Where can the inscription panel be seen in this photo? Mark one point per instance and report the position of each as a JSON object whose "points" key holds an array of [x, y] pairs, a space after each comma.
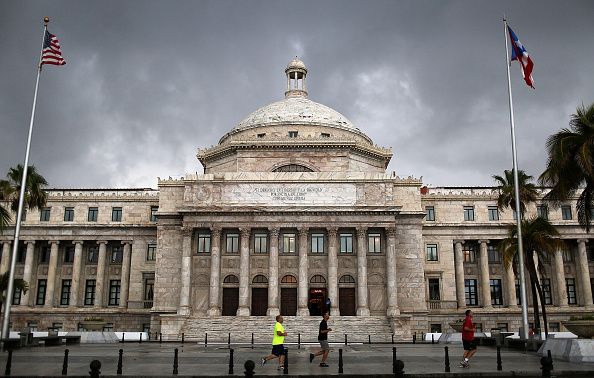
{"points": [[290, 194]]}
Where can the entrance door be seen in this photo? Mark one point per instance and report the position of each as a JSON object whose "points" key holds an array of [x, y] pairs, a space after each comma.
{"points": [[288, 301], [317, 301], [259, 301], [230, 301], [346, 301]]}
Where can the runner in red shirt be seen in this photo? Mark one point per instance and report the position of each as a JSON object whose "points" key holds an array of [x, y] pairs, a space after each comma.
{"points": [[468, 339]]}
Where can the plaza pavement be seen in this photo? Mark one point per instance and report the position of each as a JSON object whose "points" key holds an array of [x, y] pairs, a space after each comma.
{"points": [[154, 359]]}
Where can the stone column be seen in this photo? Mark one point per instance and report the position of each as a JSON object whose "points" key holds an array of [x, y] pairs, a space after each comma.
{"points": [[560, 277], [214, 307], [510, 286], [485, 279], [333, 271], [186, 272], [100, 279], [244, 274], [273, 308], [459, 257], [302, 290], [584, 272], [5, 262], [125, 279], [51, 274], [28, 271], [76, 269], [391, 284], [362, 300]]}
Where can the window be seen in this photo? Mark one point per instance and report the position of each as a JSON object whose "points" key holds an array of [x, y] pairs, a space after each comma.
{"points": [[114, 292], [478, 327], [262, 135], [567, 255], [496, 292], [317, 279], [90, 292], [93, 254], [493, 254], [435, 328], [69, 254], [293, 134], [231, 279], [430, 213], [65, 293], [546, 291], [566, 212], [32, 326], [503, 327], [289, 279], [149, 285], [434, 293], [232, 243], [116, 254], [41, 289], [325, 135], [317, 243], [289, 243], [68, 214], [154, 210], [470, 251], [44, 254], [542, 211], [21, 253], [570, 286], [554, 327], [116, 214], [468, 213], [16, 296], [260, 279], [493, 213], [44, 215], [346, 243], [470, 292], [518, 296], [260, 243], [93, 213], [590, 252], [374, 243], [346, 279], [431, 252], [151, 252], [203, 243]]}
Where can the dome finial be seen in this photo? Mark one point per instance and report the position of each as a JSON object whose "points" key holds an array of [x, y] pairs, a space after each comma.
{"points": [[296, 73]]}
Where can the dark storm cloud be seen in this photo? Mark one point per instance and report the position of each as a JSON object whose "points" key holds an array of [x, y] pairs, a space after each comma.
{"points": [[147, 83]]}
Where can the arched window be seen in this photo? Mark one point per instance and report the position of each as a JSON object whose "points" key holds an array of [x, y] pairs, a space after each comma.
{"points": [[231, 279], [292, 168], [260, 279], [289, 279], [317, 279], [347, 279]]}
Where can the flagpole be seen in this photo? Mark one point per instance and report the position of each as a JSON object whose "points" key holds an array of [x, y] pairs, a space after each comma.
{"points": [[517, 194], [15, 245]]}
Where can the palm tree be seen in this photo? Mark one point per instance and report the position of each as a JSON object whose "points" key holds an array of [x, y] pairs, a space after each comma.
{"points": [[570, 164], [18, 284], [539, 239], [507, 196]]}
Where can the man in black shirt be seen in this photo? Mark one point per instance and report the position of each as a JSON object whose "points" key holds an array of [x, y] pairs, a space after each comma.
{"points": [[323, 339]]}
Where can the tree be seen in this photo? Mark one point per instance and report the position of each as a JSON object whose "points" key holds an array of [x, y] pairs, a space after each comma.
{"points": [[507, 194], [570, 164], [18, 284]]}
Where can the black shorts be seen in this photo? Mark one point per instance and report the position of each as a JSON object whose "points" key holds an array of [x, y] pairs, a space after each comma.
{"points": [[469, 345], [278, 350]]}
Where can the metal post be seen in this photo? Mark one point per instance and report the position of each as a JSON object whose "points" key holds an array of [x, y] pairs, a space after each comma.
{"points": [[394, 360], [299, 341], [206, 339], [252, 340], [286, 362], [123, 337], [415, 338], [340, 365], [183, 337], [345, 339], [120, 355], [369, 339], [65, 363], [8, 363], [229, 339], [175, 362], [95, 367], [249, 368], [160, 337], [432, 338], [392, 338], [140, 338], [231, 361], [550, 357], [499, 358], [447, 360]]}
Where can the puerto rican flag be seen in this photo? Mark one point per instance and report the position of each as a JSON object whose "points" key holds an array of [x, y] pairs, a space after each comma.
{"points": [[520, 54]]}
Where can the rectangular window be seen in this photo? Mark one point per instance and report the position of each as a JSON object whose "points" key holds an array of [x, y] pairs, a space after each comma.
{"points": [[149, 284], [566, 212], [546, 291], [151, 252], [346, 243], [496, 292], [69, 254], [554, 327], [374, 243], [41, 289], [430, 213], [289, 243], [434, 293], [93, 214], [470, 251], [542, 211], [293, 134], [116, 214], [493, 253], [518, 296], [114, 292], [44, 215], [16, 296], [493, 213], [44, 254], [431, 252], [478, 327], [116, 254], [503, 327], [570, 286], [203, 243], [317, 243], [154, 210], [93, 254], [90, 292], [470, 292], [468, 213], [21, 253], [260, 243], [68, 214], [65, 293], [567, 255], [32, 326], [435, 328], [232, 243]]}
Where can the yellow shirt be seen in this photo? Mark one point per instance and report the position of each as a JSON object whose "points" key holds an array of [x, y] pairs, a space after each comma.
{"points": [[276, 339]]}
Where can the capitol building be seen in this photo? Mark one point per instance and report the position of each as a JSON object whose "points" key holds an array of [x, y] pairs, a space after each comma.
{"points": [[294, 206]]}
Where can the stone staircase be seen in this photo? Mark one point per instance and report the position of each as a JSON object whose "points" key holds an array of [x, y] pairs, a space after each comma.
{"points": [[357, 329]]}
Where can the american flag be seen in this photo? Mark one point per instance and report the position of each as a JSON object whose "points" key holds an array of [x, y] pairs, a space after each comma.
{"points": [[51, 51]]}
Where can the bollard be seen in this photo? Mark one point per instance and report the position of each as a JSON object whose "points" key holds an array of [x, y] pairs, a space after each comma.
{"points": [[369, 339], [95, 366], [415, 338], [286, 362], [231, 361], [160, 337], [447, 360], [392, 338], [546, 366], [229, 339], [123, 336], [156, 335], [65, 363], [8, 363], [432, 338], [206, 339], [252, 340], [340, 367], [550, 358], [140, 338], [183, 337], [175, 362], [394, 360], [399, 372], [499, 368], [345, 339], [299, 341], [249, 368], [120, 355]]}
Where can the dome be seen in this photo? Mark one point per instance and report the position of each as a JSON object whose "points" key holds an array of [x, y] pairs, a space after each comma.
{"points": [[296, 64]]}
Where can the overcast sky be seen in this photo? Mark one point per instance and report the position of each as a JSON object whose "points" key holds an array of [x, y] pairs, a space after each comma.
{"points": [[147, 83]]}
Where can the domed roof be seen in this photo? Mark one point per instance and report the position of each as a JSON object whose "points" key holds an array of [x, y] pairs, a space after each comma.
{"points": [[296, 64]]}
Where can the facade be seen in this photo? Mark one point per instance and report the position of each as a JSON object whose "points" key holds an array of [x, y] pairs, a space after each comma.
{"points": [[294, 207]]}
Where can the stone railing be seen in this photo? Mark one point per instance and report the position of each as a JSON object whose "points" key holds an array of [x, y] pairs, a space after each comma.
{"points": [[441, 305]]}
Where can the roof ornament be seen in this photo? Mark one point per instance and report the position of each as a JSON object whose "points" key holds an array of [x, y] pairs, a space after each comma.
{"points": [[296, 73]]}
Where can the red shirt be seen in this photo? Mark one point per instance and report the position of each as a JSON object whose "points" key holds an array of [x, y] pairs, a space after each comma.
{"points": [[467, 335]]}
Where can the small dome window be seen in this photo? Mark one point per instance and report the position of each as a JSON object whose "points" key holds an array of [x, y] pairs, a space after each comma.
{"points": [[293, 168]]}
